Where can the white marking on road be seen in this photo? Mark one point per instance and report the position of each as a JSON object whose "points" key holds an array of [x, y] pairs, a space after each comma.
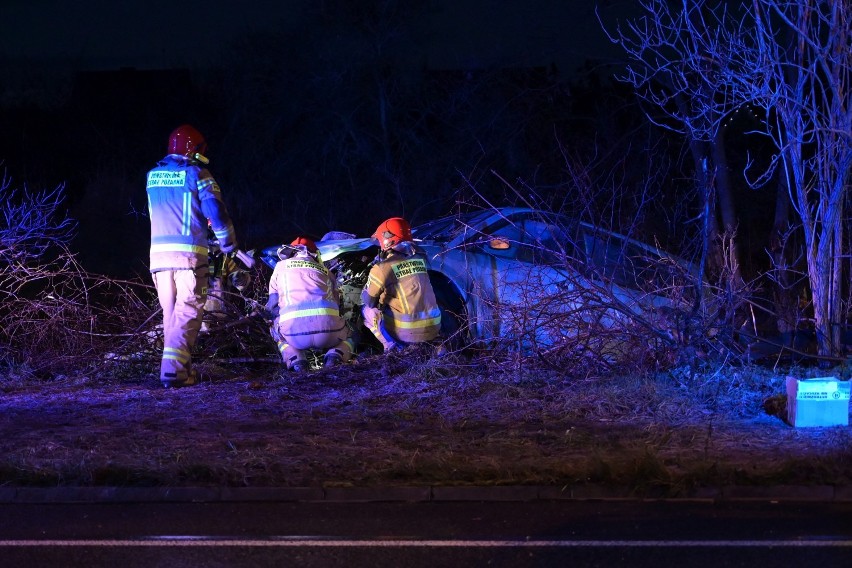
{"points": [[286, 542]]}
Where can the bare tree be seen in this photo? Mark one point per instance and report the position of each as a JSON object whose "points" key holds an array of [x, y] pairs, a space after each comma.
{"points": [[31, 224], [793, 59], [799, 69], [680, 68]]}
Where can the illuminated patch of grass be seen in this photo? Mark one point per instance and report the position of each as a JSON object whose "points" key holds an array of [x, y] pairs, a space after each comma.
{"points": [[427, 420]]}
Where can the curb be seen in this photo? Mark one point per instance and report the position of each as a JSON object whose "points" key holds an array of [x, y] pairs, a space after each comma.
{"points": [[814, 494]]}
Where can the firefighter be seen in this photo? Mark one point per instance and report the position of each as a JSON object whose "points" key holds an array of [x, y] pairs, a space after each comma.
{"points": [[308, 308], [399, 305], [182, 198]]}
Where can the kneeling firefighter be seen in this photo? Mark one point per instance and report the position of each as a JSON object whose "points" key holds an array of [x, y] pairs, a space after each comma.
{"points": [[306, 298], [399, 303]]}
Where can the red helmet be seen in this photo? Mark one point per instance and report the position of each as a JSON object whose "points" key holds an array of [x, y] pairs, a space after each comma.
{"points": [[306, 242], [187, 141], [392, 232]]}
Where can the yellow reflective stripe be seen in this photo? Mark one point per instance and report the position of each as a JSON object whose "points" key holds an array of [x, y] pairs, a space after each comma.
{"points": [[375, 280], [210, 185], [187, 214], [417, 324], [311, 312], [169, 247], [225, 232], [403, 297], [173, 354]]}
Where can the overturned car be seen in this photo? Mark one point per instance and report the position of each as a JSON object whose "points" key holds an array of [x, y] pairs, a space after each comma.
{"points": [[530, 280]]}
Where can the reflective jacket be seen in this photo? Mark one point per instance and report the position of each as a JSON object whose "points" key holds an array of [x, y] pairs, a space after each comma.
{"points": [[182, 196], [401, 284], [307, 296]]}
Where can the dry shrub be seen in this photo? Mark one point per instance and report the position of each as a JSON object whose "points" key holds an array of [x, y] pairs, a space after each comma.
{"points": [[62, 319], [57, 317], [589, 300], [42, 302]]}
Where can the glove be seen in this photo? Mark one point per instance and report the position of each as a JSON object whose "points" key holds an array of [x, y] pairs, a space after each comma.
{"points": [[264, 314], [270, 315], [270, 310]]}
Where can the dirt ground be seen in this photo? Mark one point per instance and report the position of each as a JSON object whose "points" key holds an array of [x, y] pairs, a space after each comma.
{"points": [[393, 420]]}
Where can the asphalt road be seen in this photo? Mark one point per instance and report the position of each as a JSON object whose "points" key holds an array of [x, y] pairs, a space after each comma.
{"points": [[473, 533]]}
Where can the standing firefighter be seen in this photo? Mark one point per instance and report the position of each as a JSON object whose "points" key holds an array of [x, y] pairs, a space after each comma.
{"points": [[306, 297], [182, 198], [399, 303]]}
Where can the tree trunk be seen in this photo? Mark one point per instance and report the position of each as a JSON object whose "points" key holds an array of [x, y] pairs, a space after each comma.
{"points": [[726, 205], [786, 302]]}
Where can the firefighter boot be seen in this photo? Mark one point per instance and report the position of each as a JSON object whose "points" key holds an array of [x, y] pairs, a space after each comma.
{"points": [[332, 359]]}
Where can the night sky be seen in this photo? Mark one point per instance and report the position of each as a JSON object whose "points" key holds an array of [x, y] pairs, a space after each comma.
{"points": [[114, 126], [103, 34]]}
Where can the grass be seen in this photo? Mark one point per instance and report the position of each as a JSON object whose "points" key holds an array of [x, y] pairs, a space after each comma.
{"points": [[420, 420]]}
